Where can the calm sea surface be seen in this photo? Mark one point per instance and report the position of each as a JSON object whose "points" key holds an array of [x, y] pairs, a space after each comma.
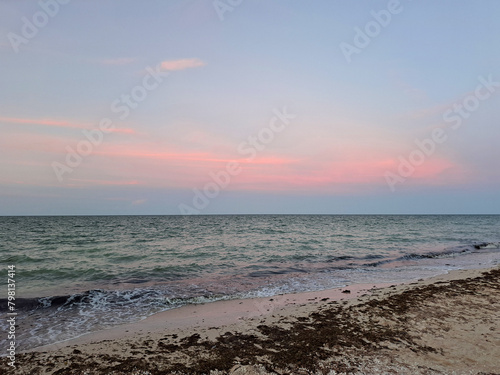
{"points": [[79, 274]]}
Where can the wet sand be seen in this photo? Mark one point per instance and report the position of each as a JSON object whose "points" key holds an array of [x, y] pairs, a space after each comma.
{"points": [[449, 324]]}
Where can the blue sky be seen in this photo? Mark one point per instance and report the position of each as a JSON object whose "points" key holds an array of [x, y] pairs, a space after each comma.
{"points": [[331, 134]]}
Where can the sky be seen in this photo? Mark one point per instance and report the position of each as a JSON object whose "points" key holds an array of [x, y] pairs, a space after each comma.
{"points": [[249, 106]]}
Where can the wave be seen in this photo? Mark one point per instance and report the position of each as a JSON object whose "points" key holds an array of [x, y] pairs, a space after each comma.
{"points": [[445, 253], [99, 299], [450, 252], [435, 254], [161, 299], [487, 245]]}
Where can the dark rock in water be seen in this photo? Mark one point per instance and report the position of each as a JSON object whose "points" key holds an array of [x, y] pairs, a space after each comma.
{"points": [[346, 291]]}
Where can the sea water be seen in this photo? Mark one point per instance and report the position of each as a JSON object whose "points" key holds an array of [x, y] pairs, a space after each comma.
{"points": [[80, 274]]}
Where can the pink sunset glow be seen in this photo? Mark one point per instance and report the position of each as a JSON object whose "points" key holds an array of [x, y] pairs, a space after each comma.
{"points": [[148, 106], [154, 160]]}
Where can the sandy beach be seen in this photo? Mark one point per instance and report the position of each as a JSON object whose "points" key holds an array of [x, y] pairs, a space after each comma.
{"points": [[448, 324]]}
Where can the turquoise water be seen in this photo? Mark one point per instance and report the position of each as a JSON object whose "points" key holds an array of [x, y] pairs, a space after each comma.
{"points": [[123, 268]]}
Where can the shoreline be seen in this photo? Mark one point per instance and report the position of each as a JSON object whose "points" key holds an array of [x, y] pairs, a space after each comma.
{"points": [[445, 323], [219, 313], [252, 306]]}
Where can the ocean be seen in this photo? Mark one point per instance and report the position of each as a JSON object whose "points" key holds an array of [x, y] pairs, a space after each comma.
{"points": [[80, 274]]}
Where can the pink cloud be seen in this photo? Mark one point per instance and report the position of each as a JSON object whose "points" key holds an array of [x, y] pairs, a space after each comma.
{"points": [[341, 176], [181, 64], [158, 164], [300, 175], [184, 168]]}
